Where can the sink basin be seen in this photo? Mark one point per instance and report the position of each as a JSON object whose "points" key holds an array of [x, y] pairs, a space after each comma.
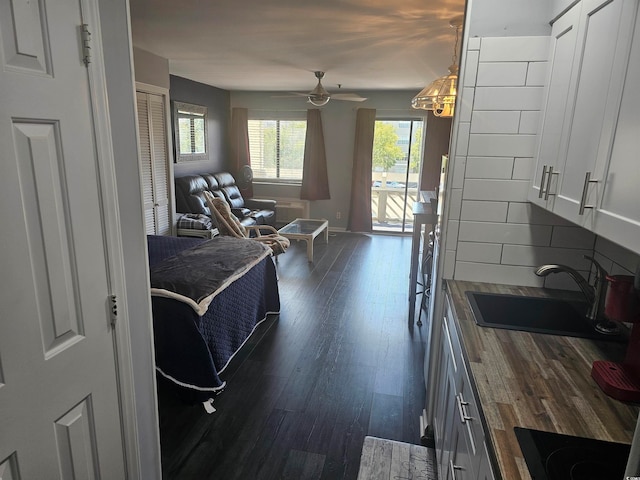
{"points": [[551, 316]]}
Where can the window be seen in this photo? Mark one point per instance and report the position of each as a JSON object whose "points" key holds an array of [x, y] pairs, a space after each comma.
{"points": [[277, 147], [191, 131]]}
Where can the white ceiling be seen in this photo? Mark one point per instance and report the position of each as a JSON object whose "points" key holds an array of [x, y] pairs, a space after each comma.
{"points": [[276, 45]]}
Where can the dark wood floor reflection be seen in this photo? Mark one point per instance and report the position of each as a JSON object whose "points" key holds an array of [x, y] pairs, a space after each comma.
{"points": [[338, 364]]}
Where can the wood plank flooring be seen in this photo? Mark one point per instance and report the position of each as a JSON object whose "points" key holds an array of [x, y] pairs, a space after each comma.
{"points": [[338, 364]]}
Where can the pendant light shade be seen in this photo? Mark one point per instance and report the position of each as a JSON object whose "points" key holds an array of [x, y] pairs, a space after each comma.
{"points": [[440, 95]]}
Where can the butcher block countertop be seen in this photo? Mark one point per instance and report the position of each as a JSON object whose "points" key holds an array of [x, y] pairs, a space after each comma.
{"points": [[536, 381]]}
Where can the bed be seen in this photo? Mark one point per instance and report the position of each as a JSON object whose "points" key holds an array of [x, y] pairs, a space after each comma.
{"points": [[207, 297]]}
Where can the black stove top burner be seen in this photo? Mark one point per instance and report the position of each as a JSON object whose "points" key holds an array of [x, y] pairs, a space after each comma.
{"points": [[552, 456]]}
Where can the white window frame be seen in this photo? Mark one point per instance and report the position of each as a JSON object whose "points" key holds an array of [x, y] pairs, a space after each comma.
{"points": [[187, 110]]}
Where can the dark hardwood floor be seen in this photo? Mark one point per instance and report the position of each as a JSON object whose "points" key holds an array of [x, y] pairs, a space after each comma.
{"points": [[339, 363]]}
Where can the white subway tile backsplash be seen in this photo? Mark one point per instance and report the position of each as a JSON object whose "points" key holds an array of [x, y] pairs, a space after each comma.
{"points": [[626, 259], [451, 239], [494, 122], [526, 255], [508, 98], [537, 73], [462, 139], [473, 43], [500, 190], [522, 168], [471, 69], [507, 74], [488, 145], [489, 167], [514, 49], [528, 213], [455, 204], [510, 233], [479, 252], [529, 122], [572, 237], [449, 264], [481, 211], [466, 104], [456, 171], [491, 273]]}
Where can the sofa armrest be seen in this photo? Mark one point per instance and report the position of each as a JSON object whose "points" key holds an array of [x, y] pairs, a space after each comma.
{"points": [[240, 213], [260, 204]]}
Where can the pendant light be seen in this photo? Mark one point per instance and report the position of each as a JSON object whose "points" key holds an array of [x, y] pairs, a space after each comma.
{"points": [[440, 95]]}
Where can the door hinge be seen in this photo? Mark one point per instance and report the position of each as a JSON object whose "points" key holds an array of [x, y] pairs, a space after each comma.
{"points": [[86, 40], [113, 301]]}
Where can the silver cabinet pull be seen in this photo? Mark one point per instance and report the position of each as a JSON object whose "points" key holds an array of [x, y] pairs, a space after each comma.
{"points": [[461, 404], [550, 173], [453, 469], [585, 191], [544, 174]]}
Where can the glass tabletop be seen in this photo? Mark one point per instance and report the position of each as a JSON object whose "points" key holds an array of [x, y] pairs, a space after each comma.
{"points": [[302, 226]]}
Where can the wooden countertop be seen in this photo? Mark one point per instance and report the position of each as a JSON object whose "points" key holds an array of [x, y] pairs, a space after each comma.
{"points": [[536, 381]]}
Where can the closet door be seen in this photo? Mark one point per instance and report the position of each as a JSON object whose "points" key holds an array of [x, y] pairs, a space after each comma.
{"points": [[155, 162]]}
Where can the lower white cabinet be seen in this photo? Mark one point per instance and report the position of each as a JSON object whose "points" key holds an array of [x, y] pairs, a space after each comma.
{"points": [[461, 450]]}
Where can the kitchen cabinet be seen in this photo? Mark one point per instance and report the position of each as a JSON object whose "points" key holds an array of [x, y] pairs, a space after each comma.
{"points": [[155, 161], [461, 450], [589, 60]]}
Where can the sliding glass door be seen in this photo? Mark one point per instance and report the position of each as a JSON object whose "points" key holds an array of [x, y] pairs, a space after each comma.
{"points": [[397, 153]]}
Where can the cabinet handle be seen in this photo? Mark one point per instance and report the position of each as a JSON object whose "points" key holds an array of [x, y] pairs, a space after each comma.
{"points": [[585, 190], [544, 174], [461, 404], [550, 173], [453, 469]]}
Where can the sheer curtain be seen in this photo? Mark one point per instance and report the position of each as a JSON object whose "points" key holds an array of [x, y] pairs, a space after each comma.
{"points": [[360, 213], [240, 155], [315, 182]]}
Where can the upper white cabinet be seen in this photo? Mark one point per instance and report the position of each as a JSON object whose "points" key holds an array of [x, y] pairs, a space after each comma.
{"points": [[583, 121], [619, 213]]}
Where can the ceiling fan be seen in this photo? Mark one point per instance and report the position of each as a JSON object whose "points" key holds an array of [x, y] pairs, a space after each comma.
{"points": [[319, 95]]}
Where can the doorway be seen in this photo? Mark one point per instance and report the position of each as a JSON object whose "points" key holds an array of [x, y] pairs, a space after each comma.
{"points": [[395, 170]]}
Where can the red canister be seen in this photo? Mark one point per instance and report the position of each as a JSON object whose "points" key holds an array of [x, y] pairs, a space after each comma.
{"points": [[623, 300]]}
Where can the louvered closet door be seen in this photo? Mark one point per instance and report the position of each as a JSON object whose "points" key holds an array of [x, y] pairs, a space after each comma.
{"points": [[154, 163]]}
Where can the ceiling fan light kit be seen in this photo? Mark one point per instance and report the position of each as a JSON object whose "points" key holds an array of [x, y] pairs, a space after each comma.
{"points": [[319, 96], [440, 95]]}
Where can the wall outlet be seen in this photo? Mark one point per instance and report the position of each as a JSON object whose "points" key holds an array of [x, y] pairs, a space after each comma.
{"points": [[338, 215]]}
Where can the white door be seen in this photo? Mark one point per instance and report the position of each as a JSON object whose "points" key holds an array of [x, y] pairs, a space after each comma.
{"points": [[154, 159], [59, 408]]}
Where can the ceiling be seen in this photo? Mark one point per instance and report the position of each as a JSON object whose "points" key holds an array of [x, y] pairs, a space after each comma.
{"points": [[276, 45]]}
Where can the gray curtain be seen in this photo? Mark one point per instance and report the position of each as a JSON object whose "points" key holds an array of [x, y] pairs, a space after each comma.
{"points": [[360, 213], [315, 182], [239, 150]]}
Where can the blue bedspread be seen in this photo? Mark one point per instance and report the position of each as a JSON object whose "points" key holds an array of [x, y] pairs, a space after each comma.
{"points": [[192, 350]]}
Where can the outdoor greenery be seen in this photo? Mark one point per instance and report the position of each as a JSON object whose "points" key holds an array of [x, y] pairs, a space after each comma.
{"points": [[277, 148], [386, 149]]}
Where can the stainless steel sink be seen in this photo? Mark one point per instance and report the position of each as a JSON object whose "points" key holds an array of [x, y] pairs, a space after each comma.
{"points": [[551, 316]]}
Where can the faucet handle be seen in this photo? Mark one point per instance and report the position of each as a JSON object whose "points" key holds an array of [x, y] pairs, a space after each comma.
{"points": [[602, 273]]}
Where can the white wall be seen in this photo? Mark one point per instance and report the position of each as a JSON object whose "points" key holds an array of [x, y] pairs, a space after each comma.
{"points": [[150, 68], [338, 121], [120, 84]]}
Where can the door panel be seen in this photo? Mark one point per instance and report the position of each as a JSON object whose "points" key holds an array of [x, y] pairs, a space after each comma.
{"points": [[59, 405]]}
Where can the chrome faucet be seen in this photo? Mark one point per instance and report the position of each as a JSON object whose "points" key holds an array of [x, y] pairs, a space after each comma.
{"points": [[595, 294]]}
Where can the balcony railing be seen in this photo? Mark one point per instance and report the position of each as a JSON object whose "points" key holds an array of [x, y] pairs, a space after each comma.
{"points": [[390, 210]]}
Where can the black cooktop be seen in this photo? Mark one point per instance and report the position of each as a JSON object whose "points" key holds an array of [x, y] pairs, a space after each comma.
{"points": [[552, 456]]}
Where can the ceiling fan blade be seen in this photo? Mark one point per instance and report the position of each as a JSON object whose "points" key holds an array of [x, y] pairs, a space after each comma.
{"points": [[350, 97], [291, 95]]}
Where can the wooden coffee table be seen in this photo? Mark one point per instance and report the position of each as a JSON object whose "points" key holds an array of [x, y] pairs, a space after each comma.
{"points": [[306, 229]]}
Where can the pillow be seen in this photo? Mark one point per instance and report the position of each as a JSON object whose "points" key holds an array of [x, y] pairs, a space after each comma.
{"points": [[195, 221]]}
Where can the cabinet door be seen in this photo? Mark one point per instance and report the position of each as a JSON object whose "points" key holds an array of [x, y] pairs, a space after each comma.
{"points": [[599, 66], [155, 165], [618, 218], [554, 132]]}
